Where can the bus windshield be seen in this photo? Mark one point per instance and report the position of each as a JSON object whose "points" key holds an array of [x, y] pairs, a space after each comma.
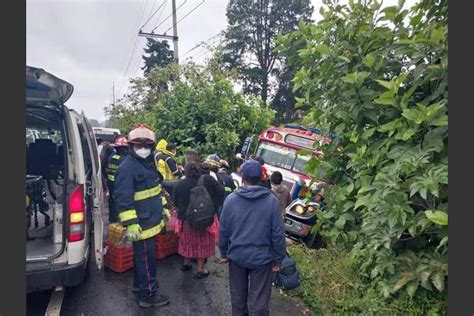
{"points": [[281, 156]]}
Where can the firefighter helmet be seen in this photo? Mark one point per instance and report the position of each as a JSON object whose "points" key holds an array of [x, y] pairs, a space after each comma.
{"points": [[121, 141], [141, 134]]}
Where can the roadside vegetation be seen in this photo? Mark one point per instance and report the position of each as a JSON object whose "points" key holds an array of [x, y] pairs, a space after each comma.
{"points": [[375, 76], [332, 285]]}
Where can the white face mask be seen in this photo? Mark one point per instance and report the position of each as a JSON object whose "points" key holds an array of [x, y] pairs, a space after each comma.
{"points": [[143, 152]]}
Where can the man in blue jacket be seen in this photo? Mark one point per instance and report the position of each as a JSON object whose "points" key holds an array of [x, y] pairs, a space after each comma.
{"points": [[252, 240]]}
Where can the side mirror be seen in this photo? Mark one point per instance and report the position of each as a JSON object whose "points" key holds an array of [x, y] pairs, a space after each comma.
{"points": [[246, 146]]}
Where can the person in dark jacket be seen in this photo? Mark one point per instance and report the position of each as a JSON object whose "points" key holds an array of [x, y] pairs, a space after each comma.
{"points": [[252, 241], [265, 180], [121, 151], [138, 202], [281, 191], [191, 155], [225, 178], [195, 244]]}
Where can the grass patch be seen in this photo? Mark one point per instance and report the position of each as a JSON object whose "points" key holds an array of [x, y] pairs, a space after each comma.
{"points": [[331, 285]]}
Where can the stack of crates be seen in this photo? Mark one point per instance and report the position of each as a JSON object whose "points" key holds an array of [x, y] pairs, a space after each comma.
{"points": [[119, 255], [166, 245]]}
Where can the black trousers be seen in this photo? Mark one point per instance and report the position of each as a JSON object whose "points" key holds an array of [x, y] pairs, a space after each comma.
{"points": [[144, 270], [250, 290]]}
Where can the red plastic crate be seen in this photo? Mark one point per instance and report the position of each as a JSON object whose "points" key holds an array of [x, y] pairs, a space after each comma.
{"points": [[166, 245], [119, 258]]}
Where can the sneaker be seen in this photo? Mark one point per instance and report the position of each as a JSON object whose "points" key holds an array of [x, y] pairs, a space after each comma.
{"points": [[158, 300], [135, 290]]}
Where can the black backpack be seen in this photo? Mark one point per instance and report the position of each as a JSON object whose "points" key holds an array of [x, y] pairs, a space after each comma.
{"points": [[200, 212], [288, 277]]}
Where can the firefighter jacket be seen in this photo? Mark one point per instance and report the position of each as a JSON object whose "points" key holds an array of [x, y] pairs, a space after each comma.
{"points": [[114, 162], [138, 194]]}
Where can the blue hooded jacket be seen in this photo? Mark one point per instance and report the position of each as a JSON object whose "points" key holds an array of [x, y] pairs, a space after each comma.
{"points": [[251, 232]]}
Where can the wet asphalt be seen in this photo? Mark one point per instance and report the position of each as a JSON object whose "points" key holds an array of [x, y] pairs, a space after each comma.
{"points": [[109, 293]]}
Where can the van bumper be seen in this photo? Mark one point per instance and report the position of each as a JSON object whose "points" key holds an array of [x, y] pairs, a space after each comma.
{"points": [[51, 276]]}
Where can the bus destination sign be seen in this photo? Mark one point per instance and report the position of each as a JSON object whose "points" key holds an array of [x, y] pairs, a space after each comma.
{"points": [[299, 141]]}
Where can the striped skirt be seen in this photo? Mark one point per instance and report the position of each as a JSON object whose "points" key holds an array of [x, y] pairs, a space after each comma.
{"points": [[196, 244]]}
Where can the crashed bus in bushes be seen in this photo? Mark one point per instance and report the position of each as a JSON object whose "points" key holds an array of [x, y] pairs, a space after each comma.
{"points": [[280, 148]]}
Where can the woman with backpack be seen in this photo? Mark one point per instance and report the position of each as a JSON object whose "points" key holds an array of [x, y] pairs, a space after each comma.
{"points": [[196, 242]]}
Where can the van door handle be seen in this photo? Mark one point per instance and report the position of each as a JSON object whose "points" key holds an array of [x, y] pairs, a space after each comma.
{"points": [[90, 189]]}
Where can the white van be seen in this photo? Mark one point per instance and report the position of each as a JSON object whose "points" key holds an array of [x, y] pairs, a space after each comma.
{"points": [[64, 202]]}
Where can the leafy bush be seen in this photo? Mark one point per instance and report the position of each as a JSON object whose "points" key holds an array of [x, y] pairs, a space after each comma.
{"points": [[378, 78], [332, 285]]}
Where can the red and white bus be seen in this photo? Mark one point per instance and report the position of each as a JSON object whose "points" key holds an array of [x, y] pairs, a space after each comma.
{"points": [[279, 147]]}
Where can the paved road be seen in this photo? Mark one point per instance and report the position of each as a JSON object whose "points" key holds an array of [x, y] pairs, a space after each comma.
{"points": [[109, 293]]}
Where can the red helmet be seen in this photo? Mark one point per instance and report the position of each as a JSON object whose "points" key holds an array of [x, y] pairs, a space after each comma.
{"points": [[141, 134], [121, 141]]}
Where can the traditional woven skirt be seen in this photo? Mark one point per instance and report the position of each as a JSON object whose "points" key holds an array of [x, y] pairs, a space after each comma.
{"points": [[196, 244]]}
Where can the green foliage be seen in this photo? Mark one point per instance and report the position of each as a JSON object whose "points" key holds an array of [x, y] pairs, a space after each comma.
{"points": [[201, 110], [331, 284], [377, 77], [157, 54]]}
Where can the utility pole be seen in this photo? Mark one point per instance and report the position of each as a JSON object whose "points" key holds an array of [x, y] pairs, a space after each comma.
{"points": [[168, 37], [113, 94], [175, 33]]}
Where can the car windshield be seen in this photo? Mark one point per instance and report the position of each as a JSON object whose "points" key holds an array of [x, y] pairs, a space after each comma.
{"points": [[281, 156]]}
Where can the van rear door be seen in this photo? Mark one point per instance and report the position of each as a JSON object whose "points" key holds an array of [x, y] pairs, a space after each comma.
{"points": [[42, 86], [97, 194]]}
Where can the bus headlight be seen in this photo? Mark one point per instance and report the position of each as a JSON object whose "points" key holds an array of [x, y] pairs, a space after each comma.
{"points": [[299, 209]]}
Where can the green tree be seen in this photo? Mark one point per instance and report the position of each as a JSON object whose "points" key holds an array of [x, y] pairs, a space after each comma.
{"points": [[157, 54], [378, 77], [253, 27], [201, 110]]}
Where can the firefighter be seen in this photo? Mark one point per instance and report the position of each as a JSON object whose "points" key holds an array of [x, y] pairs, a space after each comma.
{"points": [[121, 151], [139, 205]]}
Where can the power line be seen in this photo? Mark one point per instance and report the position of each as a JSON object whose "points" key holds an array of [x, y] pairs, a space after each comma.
{"points": [[132, 51], [161, 13], [168, 16], [159, 7], [203, 42], [200, 4]]}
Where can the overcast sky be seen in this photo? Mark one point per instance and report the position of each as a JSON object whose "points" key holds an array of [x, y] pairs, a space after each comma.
{"points": [[89, 42]]}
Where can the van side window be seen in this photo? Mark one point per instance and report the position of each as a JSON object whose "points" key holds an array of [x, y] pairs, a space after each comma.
{"points": [[85, 148], [95, 153]]}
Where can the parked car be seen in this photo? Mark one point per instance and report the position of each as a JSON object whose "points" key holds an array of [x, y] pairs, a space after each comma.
{"points": [[62, 185]]}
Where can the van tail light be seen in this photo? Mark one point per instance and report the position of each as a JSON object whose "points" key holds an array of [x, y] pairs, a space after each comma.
{"points": [[76, 214]]}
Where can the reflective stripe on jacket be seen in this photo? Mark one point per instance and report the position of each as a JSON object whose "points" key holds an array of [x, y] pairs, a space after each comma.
{"points": [[112, 166], [163, 162], [138, 195]]}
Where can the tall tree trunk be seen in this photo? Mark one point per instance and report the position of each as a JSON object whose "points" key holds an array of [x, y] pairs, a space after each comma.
{"points": [[264, 93]]}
